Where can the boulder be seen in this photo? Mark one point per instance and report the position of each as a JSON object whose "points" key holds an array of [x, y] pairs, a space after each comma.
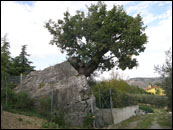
{"points": [[69, 90]]}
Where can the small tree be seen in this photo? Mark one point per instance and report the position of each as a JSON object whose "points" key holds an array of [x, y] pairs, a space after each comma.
{"points": [[100, 39], [6, 59], [21, 63], [166, 72]]}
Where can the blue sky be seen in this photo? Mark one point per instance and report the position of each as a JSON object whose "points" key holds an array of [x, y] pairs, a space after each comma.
{"points": [[30, 3], [23, 21]]}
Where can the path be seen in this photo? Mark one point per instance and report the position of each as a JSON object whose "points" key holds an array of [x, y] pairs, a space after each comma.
{"points": [[155, 125]]}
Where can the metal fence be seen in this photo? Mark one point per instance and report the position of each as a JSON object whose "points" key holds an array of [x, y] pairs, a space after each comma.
{"points": [[105, 99], [8, 81]]}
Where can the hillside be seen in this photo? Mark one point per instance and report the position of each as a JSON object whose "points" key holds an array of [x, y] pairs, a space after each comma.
{"points": [[143, 82], [17, 121]]}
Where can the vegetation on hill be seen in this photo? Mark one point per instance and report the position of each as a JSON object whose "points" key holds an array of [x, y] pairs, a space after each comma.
{"points": [[124, 94]]}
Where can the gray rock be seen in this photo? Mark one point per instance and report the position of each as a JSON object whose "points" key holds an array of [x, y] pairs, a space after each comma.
{"points": [[70, 90]]}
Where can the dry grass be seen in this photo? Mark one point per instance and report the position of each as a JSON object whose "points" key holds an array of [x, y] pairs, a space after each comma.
{"points": [[17, 121]]}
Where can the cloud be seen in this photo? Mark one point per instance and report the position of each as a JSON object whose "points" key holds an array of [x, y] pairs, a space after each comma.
{"points": [[25, 25], [160, 40]]}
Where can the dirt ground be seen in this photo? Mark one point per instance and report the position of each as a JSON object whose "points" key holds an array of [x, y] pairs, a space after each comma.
{"points": [[16, 121]]}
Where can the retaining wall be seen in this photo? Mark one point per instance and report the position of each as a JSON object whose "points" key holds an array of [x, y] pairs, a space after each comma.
{"points": [[118, 114]]}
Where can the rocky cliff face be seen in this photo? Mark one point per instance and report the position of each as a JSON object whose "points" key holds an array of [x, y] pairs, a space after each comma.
{"points": [[70, 90]]}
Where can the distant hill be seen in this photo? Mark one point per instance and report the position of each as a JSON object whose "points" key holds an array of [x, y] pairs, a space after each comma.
{"points": [[143, 82]]}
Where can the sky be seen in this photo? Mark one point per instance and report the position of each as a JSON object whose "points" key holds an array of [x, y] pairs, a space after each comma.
{"points": [[24, 21]]}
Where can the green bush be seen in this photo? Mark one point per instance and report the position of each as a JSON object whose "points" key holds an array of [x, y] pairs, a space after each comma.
{"points": [[24, 101], [44, 106], [149, 109], [119, 96], [50, 125], [124, 95], [157, 101], [19, 100], [58, 117], [88, 121], [20, 119]]}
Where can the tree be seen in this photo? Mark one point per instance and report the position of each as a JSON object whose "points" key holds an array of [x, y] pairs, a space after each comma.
{"points": [[166, 73], [21, 63], [100, 39], [6, 59]]}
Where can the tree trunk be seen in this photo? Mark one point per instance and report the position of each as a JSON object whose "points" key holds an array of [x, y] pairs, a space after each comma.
{"points": [[88, 70]]}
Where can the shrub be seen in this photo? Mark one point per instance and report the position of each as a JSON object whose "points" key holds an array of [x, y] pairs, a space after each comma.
{"points": [[58, 117], [50, 125], [149, 109], [88, 120], [23, 101], [20, 119], [19, 100], [44, 106]]}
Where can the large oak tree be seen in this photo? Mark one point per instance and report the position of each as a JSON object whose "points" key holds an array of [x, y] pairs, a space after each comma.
{"points": [[100, 38]]}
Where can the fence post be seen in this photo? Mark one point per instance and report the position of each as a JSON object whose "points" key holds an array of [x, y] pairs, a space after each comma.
{"points": [[21, 77], [110, 92], [6, 90], [51, 111], [92, 110]]}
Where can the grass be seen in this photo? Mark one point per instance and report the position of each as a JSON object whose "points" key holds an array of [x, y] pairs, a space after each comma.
{"points": [[142, 122], [145, 122], [161, 117], [26, 113], [164, 118], [28, 122], [124, 124]]}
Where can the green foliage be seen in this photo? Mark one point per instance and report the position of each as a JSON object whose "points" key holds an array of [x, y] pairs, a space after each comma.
{"points": [[20, 119], [14, 66], [21, 64], [88, 121], [158, 101], [6, 59], [44, 105], [20, 100], [119, 93], [58, 117], [136, 90], [165, 119], [50, 125], [124, 95], [166, 72], [104, 31], [146, 108]]}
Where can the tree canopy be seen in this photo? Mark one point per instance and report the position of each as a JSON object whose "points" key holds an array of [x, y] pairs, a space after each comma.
{"points": [[165, 71], [21, 62], [100, 38], [5, 56], [14, 66]]}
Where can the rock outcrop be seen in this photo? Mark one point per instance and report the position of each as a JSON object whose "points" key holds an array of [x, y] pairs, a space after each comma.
{"points": [[70, 90]]}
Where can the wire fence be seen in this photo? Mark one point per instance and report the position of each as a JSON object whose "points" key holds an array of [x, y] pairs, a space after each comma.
{"points": [[10, 81], [105, 99]]}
